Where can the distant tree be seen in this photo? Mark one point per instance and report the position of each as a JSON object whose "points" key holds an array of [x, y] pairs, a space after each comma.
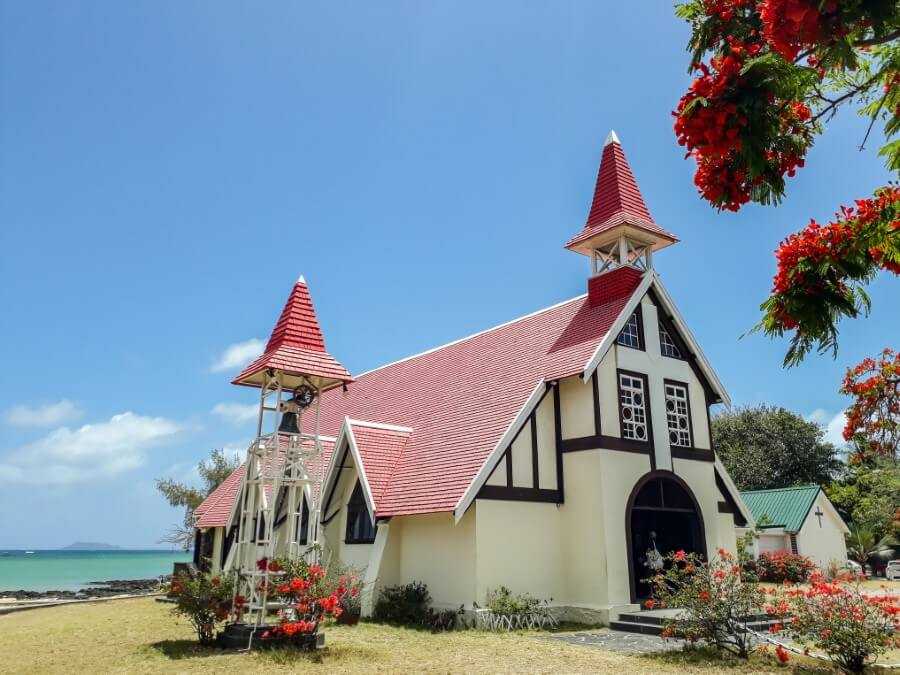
{"points": [[867, 495], [213, 472], [873, 420], [863, 545], [767, 447]]}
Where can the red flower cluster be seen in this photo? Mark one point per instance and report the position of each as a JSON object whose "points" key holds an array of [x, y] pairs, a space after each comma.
{"points": [[792, 25], [714, 116], [801, 255], [875, 387]]}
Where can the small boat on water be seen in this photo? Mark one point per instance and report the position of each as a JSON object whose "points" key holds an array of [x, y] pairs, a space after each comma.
{"points": [[29, 552]]}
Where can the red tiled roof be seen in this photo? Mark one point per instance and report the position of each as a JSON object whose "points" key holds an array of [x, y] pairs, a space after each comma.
{"points": [[459, 400], [296, 344], [215, 510], [380, 449], [617, 199]]}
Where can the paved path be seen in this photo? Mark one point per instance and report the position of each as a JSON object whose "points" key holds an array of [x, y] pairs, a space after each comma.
{"points": [[620, 641]]}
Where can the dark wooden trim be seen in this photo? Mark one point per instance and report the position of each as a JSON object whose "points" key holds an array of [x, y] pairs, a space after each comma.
{"points": [[648, 412], [595, 386], [508, 458], [519, 494], [557, 435], [690, 416], [535, 474], [739, 519], [643, 480], [725, 507], [601, 442], [688, 355], [698, 454]]}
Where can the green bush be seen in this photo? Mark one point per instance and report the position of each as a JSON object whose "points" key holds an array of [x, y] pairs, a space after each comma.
{"points": [[205, 600], [504, 602], [407, 605]]}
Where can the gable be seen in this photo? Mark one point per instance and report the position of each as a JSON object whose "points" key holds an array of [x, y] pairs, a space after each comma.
{"points": [[785, 508]]}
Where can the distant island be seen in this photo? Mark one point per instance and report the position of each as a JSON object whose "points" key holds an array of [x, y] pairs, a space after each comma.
{"points": [[90, 546]]}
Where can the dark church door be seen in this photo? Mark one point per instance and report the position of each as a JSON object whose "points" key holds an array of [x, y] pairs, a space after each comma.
{"points": [[663, 517]]}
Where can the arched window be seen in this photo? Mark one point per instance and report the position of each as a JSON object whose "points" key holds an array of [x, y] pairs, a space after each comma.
{"points": [[303, 524], [360, 528]]}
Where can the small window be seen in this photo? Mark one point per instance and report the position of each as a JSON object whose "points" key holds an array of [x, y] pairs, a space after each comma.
{"points": [[667, 345], [631, 333], [678, 415], [360, 528], [794, 548], [633, 407], [303, 524]]}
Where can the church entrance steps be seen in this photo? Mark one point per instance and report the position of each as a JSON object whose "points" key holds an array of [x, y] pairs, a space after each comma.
{"points": [[652, 621]]}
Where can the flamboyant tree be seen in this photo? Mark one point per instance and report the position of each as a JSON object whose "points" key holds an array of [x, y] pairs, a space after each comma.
{"points": [[768, 75], [873, 419]]}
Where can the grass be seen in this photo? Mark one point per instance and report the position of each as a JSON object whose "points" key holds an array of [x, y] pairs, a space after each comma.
{"points": [[141, 635]]}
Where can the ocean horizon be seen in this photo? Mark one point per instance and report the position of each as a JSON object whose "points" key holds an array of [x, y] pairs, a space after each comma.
{"points": [[69, 570]]}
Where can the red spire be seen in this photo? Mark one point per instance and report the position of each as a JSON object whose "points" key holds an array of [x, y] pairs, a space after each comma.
{"points": [[296, 348], [616, 190], [617, 204], [298, 326]]}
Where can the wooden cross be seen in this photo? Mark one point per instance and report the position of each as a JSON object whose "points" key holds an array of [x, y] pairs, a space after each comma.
{"points": [[818, 514]]}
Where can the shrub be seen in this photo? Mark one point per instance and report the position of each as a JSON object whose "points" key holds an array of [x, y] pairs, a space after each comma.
{"points": [[784, 566], [852, 628], [205, 600], [309, 595], [714, 598], [504, 602], [406, 605]]}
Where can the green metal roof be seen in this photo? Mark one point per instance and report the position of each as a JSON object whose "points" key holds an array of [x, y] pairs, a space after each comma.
{"points": [[782, 507]]}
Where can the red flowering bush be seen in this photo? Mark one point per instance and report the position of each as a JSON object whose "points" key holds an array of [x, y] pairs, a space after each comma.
{"points": [[782, 566], [714, 599], [836, 617], [769, 74], [309, 596], [206, 601], [873, 420], [822, 269]]}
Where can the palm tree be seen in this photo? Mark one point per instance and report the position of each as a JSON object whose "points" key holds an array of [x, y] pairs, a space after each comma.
{"points": [[862, 546]]}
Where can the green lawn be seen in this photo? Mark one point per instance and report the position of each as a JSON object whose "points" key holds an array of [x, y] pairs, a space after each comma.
{"points": [[141, 635]]}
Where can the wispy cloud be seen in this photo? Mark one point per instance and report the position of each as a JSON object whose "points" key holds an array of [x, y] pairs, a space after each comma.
{"points": [[237, 355], [235, 413], [833, 425], [48, 415], [94, 450]]}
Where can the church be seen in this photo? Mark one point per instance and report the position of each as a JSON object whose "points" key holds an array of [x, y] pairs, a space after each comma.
{"points": [[550, 454]]}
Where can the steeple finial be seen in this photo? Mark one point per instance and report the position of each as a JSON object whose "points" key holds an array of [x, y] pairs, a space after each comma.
{"points": [[611, 137]]}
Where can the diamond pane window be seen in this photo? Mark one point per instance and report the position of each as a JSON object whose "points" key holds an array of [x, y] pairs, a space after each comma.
{"points": [[631, 333], [632, 402], [667, 345], [677, 415]]}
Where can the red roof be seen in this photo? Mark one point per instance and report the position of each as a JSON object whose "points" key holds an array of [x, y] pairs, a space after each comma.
{"points": [[380, 449], [296, 345], [459, 399], [617, 199]]}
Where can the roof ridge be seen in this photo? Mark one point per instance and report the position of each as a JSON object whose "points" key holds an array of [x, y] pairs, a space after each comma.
{"points": [[473, 335], [806, 486]]}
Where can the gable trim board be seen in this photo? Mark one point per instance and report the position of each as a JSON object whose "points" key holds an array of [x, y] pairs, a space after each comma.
{"points": [[721, 473], [652, 281]]}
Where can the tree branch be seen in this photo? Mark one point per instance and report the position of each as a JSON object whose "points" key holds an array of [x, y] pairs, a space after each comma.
{"points": [[835, 103], [871, 42]]}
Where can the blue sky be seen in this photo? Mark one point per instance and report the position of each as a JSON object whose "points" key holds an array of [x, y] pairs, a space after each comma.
{"points": [[169, 169]]}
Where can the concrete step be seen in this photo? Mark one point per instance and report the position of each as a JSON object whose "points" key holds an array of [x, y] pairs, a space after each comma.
{"points": [[652, 623]]}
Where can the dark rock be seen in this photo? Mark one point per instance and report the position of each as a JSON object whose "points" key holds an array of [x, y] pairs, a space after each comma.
{"points": [[95, 589]]}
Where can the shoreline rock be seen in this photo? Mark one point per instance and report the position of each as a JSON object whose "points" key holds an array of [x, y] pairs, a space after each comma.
{"points": [[94, 589]]}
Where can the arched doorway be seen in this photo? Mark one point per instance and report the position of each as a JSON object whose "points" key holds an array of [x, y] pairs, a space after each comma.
{"points": [[662, 513]]}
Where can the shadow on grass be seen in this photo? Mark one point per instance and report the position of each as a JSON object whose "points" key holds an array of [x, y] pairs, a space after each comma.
{"points": [[184, 649], [704, 657]]}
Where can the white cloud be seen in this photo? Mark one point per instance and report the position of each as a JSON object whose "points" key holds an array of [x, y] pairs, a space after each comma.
{"points": [[94, 450], [236, 413], [833, 425], [237, 355], [48, 415]]}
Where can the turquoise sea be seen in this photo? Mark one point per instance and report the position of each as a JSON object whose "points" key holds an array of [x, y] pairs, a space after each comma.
{"points": [[71, 570]]}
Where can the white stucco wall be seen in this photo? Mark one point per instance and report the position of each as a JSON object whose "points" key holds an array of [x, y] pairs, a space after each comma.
{"points": [[826, 543]]}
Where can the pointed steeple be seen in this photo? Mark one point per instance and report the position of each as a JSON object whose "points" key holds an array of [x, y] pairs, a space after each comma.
{"points": [[618, 209], [296, 347], [298, 325]]}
